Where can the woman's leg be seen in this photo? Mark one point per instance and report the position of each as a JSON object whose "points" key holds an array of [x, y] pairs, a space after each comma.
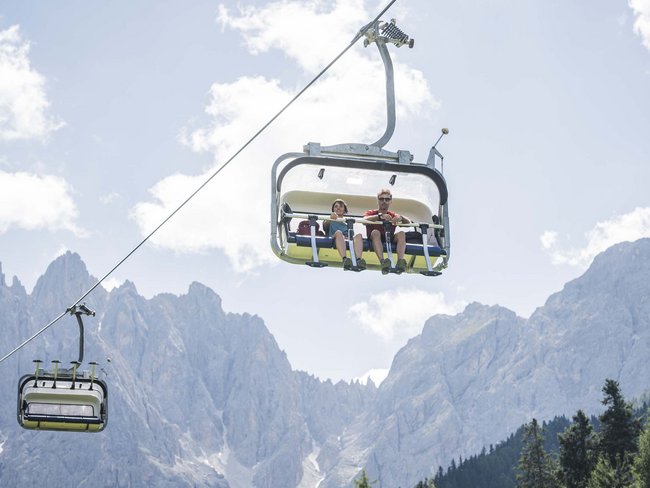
{"points": [[339, 240]]}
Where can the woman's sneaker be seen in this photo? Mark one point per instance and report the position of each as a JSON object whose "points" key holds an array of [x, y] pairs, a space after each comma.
{"points": [[361, 264], [400, 267], [385, 266], [347, 263]]}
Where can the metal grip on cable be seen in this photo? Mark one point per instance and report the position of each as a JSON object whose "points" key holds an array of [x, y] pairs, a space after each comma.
{"points": [[395, 35]]}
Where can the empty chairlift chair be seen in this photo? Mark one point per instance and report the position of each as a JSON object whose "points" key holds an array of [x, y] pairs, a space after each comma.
{"points": [[64, 399]]}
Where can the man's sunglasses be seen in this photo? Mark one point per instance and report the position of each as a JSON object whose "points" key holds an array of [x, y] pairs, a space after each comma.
{"points": [[384, 199]]}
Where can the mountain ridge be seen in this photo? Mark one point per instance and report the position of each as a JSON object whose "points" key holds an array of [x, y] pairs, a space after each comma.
{"points": [[201, 397]]}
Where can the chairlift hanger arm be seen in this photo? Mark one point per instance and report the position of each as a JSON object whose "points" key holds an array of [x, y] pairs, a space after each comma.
{"points": [[390, 33], [390, 96], [78, 311]]}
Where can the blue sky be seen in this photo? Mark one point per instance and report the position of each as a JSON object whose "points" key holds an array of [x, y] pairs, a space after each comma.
{"points": [[111, 114]]}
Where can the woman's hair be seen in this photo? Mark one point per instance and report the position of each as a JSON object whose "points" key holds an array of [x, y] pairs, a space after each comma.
{"points": [[338, 200]]}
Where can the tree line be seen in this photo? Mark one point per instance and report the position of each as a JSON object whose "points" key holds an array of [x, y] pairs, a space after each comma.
{"points": [[608, 451]]}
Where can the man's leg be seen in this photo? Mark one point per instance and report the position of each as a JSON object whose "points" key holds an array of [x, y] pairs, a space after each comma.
{"points": [[400, 240], [375, 238], [379, 251], [358, 246]]}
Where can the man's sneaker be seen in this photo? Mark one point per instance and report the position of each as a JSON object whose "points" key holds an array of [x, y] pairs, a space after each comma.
{"points": [[385, 266], [361, 264], [400, 267], [347, 263]]}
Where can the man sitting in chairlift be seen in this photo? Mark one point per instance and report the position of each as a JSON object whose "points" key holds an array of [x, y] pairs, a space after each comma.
{"points": [[377, 233]]}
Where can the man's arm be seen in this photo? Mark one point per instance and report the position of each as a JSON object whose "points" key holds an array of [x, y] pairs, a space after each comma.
{"points": [[372, 215]]}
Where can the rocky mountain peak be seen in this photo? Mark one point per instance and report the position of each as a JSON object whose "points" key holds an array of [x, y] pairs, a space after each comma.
{"points": [[65, 279], [16, 287], [206, 398]]}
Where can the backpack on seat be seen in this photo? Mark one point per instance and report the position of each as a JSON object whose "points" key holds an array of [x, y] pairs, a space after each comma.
{"points": [[303, 229]]}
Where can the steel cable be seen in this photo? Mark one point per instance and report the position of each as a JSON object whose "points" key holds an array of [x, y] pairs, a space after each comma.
{"points": [[358, 36]]}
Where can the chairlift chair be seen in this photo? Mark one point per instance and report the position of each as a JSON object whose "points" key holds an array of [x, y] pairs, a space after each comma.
{"points": [[64, 399], [304, 185]]}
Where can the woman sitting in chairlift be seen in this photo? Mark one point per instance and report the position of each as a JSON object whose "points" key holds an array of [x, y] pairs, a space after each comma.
{"points": [[337, 229]]}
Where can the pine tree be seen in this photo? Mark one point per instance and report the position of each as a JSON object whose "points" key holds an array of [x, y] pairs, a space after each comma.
{"points": [[641, 467], [535, 465], [363, 482], [620, 430], [426, 483], [610, 475], [577, 452]]}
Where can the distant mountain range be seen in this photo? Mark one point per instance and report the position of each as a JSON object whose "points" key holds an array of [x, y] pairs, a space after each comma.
{"points": [[200, 397]]}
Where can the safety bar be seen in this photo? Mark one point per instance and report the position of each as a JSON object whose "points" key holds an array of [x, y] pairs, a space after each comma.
{"points": [[359, 220]]}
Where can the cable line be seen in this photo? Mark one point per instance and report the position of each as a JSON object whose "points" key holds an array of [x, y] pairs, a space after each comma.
{"points": [[358, 36]]}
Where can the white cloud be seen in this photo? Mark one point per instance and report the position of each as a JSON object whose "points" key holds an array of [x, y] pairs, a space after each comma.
{"points": [[401, 313], [232, 213], [62, 249], [293, 26], [109, 198], [29, 201], [377, 376], [548, 239], [23, 103], [641, 9], [628, 227], [111, 283], [622, 19]]}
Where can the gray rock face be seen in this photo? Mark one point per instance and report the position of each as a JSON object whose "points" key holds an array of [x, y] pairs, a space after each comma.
{"points": [[469, 380], [199, 397], [441, 396]]}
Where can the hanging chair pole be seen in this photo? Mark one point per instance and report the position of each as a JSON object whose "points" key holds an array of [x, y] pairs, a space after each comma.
{"points": [[390, 94], [77, 311], [81, 338], [382, 33]]}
